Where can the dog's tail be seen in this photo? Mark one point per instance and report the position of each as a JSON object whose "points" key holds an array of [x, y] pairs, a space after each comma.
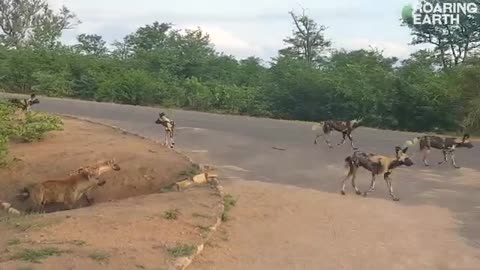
{"points": [[318, 126], [23, 194], [412, 142]]}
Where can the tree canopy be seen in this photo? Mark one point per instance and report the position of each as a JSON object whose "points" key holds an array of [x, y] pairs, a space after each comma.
{"points": [[159, 64]]}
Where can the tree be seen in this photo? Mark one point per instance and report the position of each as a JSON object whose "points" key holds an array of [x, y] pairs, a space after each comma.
{"points": [[308, 41], [32, 22], [150, 37], [122, 49], [91, 44], [453, 43]]}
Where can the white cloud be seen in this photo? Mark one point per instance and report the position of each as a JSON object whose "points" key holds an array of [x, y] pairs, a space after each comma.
{"points": [[227, 42], [389, 48]]}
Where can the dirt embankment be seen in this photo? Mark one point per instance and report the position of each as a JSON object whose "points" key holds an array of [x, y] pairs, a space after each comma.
{"points": [[136, 222]]}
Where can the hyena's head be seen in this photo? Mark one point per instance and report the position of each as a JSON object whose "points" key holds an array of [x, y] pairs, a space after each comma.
{"points": [[99, 168], [110, 164], [402, 156], [92, 177], [465, 142]]}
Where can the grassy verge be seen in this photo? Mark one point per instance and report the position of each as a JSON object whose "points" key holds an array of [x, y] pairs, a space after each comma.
{"points": [[23, 126]]}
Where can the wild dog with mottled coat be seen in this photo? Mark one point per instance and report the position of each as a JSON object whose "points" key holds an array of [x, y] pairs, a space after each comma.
{"points": [[67, 191], [344, 127], [169, 128], [377, 165], [447, 145], [25, 104]]}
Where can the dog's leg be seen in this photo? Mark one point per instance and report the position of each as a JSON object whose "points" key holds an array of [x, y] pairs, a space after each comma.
{"points": [[425, 151], [454, 163], [172, 141], [166, 138], [344, 182], [357, 191], [351, 172], [352, 144], [327, 139], [388, 180], [316, 138], [372, 186], [344, 138], [445, 157]]}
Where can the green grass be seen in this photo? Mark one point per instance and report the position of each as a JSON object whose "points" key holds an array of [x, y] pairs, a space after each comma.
{"points": [[204, 230], [182, 251], [79, 242], [171, 214], [24, 268], [228, 202], [13, 242], [36, 255], [190, 172], [198, 215], [99, 256], [26, 222], [167, 189]]}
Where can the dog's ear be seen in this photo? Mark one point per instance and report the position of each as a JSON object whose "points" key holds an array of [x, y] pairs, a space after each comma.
{"points": [[466, 137], [405, 150], [397, 149]]}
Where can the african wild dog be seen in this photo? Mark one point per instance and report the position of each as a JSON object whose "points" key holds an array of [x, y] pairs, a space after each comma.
{"points": [[345, 127], [169, 128], [25, 104], [377, 165], [447, 145]]}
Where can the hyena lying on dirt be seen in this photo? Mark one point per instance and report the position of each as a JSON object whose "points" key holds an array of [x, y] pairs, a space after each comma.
{"points": [[67, 191], [447, 145], [377, 165], [25, 104], [169, 127], [344, 127]]}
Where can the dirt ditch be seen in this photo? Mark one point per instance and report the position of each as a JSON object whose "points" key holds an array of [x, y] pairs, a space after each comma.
{"points": [[136, 222]]}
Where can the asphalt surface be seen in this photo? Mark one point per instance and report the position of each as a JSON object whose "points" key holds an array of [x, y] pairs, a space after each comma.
{"points": [[244, 148]]}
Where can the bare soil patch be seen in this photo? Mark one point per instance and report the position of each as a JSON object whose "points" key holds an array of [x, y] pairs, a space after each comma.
{"points": [[147, 167], [285, 227], [136, 222]]}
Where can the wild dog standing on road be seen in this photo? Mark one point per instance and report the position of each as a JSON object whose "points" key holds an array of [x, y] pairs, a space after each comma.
{"points": [[447, 145], [377, 165], [25, 104], [67, 191], [169, 127], [344, 127]]}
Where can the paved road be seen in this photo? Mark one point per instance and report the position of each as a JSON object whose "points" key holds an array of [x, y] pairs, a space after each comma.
{"points": [[243, 147]]}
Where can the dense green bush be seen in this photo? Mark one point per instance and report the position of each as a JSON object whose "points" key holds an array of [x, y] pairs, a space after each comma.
{"points": [[159, 65], [26, 127]]}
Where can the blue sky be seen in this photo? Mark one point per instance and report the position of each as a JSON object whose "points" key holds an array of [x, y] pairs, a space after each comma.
{"points": [[250, 27]]}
